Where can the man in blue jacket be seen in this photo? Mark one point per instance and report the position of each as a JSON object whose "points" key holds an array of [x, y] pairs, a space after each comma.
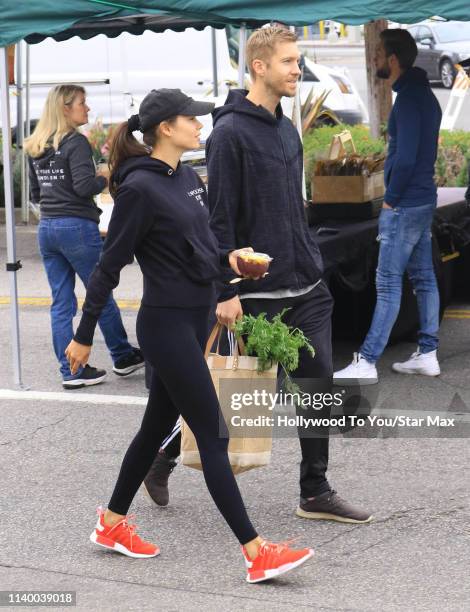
{"points": [[255, 165], [406, 218]]}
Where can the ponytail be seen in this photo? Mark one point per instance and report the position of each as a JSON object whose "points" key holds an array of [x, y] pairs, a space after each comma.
{"points": [[123, 146]]}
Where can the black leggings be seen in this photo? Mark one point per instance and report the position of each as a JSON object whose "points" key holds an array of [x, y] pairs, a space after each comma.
{"points": [[173, 341]]}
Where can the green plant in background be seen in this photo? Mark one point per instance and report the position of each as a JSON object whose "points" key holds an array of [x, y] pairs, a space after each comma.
{"points": [[453, 158], [273, 342], [314, 114]]}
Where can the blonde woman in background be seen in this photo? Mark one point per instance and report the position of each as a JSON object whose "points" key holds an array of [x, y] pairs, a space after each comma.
{"points": [[63, 182]]}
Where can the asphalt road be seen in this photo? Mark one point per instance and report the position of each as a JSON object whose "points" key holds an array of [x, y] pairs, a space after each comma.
{"points": [[353, 58], [59, 459]]}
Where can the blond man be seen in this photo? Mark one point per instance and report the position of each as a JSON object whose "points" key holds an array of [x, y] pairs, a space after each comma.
{"points": [[255, 165]]}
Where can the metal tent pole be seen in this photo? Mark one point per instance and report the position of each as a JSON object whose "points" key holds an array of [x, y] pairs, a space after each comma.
{"points": [[20, 127], [298, 124], [27, 99], [242, 56], [215, 76], [12, 265]]}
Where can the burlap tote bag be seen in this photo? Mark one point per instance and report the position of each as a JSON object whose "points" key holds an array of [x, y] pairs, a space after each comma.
{"points": [[237, 372]]}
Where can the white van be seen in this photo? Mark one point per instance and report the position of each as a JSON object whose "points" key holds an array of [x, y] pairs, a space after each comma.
{"points": [[118, 72]]}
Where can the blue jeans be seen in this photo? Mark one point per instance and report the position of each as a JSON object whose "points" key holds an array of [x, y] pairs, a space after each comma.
{"points": [[70, 246], [405, 245]]}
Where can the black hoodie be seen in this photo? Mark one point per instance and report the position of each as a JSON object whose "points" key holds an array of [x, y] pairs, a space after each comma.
{"points": [[160, 216], [467, 193], [64, 181], [255, 164]]}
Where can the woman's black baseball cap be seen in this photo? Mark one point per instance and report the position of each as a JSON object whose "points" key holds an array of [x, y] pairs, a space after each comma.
{"points": [[161, 104]]}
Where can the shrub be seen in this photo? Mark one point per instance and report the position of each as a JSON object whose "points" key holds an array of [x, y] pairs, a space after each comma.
{"points": [[453, 159]]}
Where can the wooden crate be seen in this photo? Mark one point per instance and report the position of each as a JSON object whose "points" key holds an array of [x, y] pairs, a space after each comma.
{"points": [[347, 189]]}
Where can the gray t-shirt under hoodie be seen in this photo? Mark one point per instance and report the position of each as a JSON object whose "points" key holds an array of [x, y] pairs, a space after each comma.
{"points": [[64, 182]]}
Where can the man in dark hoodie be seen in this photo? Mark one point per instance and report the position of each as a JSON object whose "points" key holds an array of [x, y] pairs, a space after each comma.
{"points": [[467, 193], [406, 218], [255, 165], [466, 64]]}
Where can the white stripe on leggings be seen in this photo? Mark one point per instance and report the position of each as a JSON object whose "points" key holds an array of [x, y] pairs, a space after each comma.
{"points": [[176, 430]]}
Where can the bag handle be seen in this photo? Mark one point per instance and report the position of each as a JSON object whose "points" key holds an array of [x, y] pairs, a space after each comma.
{"points": [[216, 333]]}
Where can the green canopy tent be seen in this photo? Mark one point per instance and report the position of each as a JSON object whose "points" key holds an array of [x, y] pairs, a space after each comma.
{"points": [[34, 20]]}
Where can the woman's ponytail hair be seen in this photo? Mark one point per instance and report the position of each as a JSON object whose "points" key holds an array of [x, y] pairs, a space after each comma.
{"points": [[125, 145]]}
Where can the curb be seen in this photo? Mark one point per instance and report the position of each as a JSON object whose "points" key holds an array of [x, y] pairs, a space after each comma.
{"points": [[18, 218]]}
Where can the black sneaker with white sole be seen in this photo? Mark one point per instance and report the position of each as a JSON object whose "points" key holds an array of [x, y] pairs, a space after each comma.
{"points": [[88, 377], [331, 507], [129, 363]]}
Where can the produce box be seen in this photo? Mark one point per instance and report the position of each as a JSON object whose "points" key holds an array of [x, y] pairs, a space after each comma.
{"points": [[347, 189]]}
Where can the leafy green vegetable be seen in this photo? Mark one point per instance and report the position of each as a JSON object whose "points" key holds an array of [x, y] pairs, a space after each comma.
{"points": [[273, 342]]}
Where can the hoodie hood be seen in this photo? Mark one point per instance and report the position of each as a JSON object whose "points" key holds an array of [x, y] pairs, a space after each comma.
{"points": [[143, 162], [413, 76], [49, 152], [43, 160], [237, 102]]}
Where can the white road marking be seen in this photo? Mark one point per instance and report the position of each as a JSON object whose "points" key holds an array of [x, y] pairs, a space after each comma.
{"points": [[72, 396]]}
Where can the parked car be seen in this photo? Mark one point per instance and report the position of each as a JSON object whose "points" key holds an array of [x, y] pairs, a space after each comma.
{"points": [[441, 45], [343, 98]]}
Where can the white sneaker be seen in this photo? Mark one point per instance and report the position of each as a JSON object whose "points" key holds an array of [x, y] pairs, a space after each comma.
{"points": [[359, 372], [419, 363]]}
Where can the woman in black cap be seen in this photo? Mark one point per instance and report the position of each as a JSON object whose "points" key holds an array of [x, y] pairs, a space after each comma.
{"points": [[160, 215]]}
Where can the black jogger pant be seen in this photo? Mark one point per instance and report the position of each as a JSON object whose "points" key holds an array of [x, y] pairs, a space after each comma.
{"points": [[311, 313], [173, 341]]}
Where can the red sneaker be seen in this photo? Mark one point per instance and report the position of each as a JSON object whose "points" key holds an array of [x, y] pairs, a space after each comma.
{"points": [[122, 537], [274, 560]]}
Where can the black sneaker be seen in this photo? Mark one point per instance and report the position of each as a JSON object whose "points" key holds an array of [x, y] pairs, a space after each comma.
{"points": [[129, 363], [88, 377], [330, 506], [156, 481]]}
